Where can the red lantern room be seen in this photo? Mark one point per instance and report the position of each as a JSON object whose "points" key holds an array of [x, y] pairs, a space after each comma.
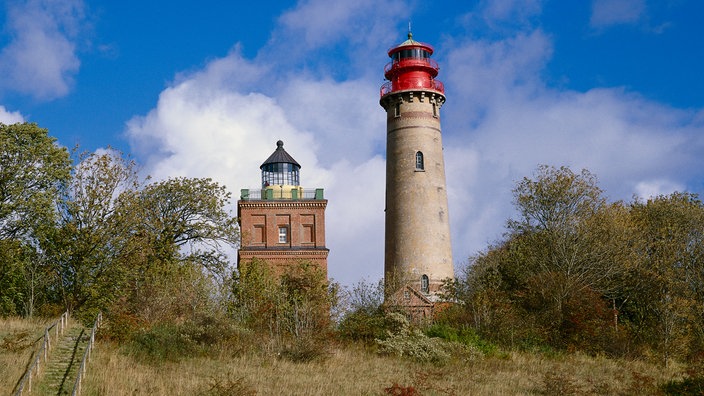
{"points": [[411, 68]]}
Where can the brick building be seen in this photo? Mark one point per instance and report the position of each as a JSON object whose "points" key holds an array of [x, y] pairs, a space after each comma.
{"points": [[281, 222]]}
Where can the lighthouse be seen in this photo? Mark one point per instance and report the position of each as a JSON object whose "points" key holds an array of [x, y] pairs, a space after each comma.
{"points": [[418, 250], [282, 223]]}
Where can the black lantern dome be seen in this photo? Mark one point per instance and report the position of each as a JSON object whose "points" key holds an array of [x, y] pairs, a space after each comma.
{"points": [[280, 168]]}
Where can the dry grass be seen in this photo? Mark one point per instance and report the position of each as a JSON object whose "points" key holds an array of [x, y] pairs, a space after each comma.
{"points": [[18, 341], [355, 371], [350, 370]]}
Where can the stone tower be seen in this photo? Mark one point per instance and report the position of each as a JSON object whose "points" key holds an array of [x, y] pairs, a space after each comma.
{"points": [[282, 223], [418, 252]]}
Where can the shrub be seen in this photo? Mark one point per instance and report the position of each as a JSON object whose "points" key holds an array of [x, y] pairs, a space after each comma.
{"points": [[465, 336], [164, 342], [169, 341], [364, 325], [409, 342]]}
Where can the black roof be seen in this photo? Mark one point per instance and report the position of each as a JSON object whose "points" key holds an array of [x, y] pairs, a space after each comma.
{"points": [[280, 156]]}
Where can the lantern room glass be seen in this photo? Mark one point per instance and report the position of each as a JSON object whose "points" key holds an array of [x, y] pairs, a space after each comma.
{"points": [[280, 174]]}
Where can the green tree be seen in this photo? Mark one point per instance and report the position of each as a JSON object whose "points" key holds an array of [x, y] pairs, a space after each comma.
{"points": [[95, 230], [182, 236], [549, 278], [33, 168]]}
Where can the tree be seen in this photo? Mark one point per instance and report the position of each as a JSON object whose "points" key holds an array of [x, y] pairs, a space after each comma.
{"points": [[95, 230], [667, 283], [32, 169], [548, 278], [182, 236], [188, 221]]}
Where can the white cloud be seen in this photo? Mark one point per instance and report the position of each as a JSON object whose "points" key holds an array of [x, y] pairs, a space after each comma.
{"points": [[653, 188], [10, 117], [606, 13], [319, 23], [500, 122], [40, 59]]}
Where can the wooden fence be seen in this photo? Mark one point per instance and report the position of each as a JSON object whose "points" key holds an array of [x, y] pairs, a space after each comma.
{"points": [[86, 356], [43, 352]]}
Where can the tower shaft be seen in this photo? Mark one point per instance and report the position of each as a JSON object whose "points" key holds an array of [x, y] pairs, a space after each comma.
{"points": [[418, 250]]}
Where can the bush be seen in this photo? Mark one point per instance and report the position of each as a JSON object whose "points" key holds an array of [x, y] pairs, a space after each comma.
{"points": [[409, 342], [465, 336], [362, 325], [164, 342], [170, 342]]}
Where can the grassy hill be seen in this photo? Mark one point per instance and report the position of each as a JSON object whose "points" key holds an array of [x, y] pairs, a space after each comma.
{"points": [[344, 368], [356, 370]]}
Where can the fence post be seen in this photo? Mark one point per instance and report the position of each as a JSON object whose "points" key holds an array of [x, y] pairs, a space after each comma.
{"points": [[46, 343]]}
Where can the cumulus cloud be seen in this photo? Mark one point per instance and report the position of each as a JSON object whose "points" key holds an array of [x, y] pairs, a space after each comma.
{"points": [[10, 117], [501, 120], [40, 58]]}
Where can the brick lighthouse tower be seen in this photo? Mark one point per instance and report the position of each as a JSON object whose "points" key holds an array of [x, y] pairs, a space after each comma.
{"points": [[281, 222], [418, 252]]}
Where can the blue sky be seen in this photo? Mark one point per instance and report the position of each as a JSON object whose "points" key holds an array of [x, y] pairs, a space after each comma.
{"points": [[204, 89]]}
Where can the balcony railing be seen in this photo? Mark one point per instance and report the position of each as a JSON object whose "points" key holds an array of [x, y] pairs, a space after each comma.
{"points": [[410, 62], [427, 84], [257, 194]]}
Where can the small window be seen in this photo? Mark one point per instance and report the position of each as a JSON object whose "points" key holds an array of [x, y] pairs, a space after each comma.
{"points": [[424, 284], [419, 161], [397, 110], [283, 234], [435, 110]]}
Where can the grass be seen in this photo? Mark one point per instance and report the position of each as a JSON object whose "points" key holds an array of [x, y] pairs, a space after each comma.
{"points": [[18, 341], [349, 369], [354, 370]]}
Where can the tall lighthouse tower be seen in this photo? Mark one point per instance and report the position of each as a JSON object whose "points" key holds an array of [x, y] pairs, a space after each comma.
{"points": [[418, 252]]}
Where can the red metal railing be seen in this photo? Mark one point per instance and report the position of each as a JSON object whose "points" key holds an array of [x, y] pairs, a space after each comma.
{"points": [[429, 84]]}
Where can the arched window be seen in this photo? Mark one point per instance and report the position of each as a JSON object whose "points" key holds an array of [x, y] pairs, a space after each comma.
{"points": [[424, 284], [419, 161]]}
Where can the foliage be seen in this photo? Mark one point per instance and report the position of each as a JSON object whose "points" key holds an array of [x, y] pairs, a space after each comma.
{"points": [[364, 319], [170, 341], [292, 309], [410, 342], [575, 272], [93, 233], [32, 169], [465, 336]]}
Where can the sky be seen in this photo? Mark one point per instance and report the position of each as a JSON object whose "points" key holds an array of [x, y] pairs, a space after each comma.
{"points": [[205, 89]]}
